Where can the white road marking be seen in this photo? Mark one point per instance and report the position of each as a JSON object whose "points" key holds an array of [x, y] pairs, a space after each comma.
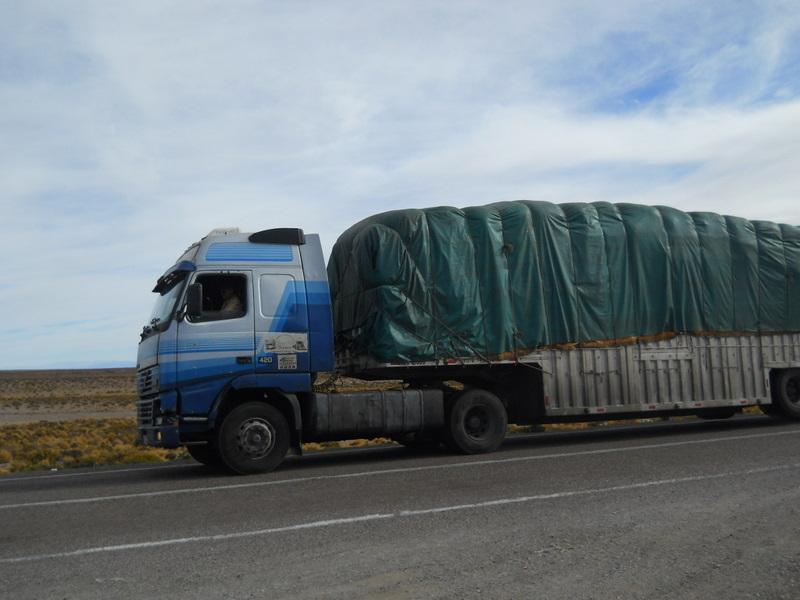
{"points": [[395, 515], [457, 465], [110, 471]]}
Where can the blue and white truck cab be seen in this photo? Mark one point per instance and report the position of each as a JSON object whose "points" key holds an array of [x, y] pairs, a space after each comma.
{"points": [[241, 326]]}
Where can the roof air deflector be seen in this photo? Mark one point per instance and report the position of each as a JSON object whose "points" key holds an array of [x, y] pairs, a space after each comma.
{"points": [[280, 235]]}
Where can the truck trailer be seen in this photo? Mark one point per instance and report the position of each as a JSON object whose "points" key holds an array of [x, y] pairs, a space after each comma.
{"points": [[516, 312]]}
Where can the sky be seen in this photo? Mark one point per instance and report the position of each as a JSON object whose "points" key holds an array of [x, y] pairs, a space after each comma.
{"points": [[130, 130]]}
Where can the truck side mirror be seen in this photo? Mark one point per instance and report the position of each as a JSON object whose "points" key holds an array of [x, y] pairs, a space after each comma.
{"points": [[194, 301]]}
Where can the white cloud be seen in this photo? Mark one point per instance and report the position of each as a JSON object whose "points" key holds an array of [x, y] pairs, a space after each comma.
{"points": [[128, 132], [735, 154]]}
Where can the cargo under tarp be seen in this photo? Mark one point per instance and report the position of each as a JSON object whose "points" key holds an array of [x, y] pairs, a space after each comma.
{"points": [[501, 280]]}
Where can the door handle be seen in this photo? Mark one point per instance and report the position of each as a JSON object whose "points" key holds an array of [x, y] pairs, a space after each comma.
{"points": [[244, 360]]}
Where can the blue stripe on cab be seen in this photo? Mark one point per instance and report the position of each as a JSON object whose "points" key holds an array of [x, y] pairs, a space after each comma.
{"points": [[243, 251], [291, 314], [231, 349]]}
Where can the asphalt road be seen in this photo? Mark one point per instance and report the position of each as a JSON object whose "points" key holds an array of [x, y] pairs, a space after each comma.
{"points": [[673, 510]]}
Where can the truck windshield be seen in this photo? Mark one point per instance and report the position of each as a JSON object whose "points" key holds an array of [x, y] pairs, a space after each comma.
{"points": [[169, 288], [165, 302]]}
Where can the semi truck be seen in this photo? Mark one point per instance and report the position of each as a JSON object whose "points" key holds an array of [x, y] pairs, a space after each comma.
{"points": [[516, 312]]}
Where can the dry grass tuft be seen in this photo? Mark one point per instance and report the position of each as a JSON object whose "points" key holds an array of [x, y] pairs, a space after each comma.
{"points": [[78, 443], [316, 446], [88, 389]]}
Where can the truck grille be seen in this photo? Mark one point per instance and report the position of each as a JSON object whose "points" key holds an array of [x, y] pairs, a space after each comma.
{"points": [[145, 411], [147, 382]]}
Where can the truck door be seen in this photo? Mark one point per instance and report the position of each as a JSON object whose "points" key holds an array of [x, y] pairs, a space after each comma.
{"points": [[281, 322], [218, 344]]}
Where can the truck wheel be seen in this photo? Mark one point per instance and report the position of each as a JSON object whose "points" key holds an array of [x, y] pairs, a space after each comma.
{"points": [[786, 395], [205, 454], [476, 422], [254, 438]]}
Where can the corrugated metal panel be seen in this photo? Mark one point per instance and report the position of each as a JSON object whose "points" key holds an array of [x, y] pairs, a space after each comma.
{"points": [[683, 372], [781, 349]]}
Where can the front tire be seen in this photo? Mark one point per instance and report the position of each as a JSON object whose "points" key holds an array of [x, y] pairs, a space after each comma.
{"points": [[205, 454], [476, 422], [254, 438]]}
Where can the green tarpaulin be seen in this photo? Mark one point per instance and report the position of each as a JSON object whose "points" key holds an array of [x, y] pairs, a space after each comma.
{"points": [[504, 279]]}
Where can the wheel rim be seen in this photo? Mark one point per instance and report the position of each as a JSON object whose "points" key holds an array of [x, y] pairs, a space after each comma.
{"points": [[793, 391], [477, 422], [255, 438]]}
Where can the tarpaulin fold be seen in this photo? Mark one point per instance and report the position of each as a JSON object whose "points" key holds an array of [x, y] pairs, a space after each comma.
{"points": [[507, 278]]}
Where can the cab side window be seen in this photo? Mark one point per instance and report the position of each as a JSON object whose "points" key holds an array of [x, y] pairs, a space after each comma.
{"points": [[224, 296], [277, 295]]}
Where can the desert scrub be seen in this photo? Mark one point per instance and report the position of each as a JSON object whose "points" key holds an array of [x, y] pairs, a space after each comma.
{"points": [[95, 442], [79, 443], [357, 443]]}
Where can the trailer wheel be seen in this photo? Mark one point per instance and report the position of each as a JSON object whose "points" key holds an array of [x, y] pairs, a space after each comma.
{"points": [[205, 454], [254, 438], [786, 395], [476, 421]]}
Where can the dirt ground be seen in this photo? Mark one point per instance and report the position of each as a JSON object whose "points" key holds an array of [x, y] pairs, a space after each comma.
{"points": [[58, 395]]}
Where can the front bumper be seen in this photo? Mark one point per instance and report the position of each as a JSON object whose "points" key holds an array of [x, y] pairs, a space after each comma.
{"points": [[157, 422], [160, 424], [163, 436]]}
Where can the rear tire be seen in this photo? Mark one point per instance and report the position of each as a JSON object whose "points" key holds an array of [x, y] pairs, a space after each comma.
{"points": [[786, 393], [254, 438], [476, 422]]}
